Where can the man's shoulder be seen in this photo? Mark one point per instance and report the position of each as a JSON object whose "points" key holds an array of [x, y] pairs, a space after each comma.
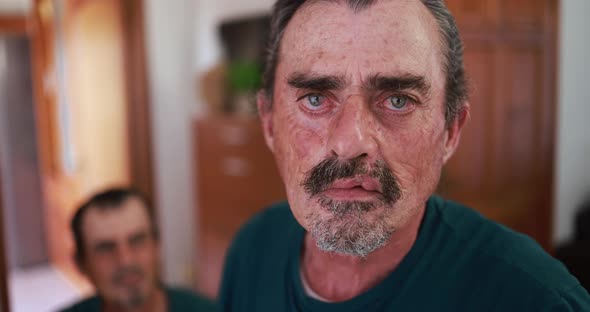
{"points": [[276, 220], [259, 252], [486, 237], [181, 299], [508, 253], [277, 212], [89, 304]]}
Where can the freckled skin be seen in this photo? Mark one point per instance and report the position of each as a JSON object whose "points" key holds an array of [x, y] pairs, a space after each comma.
{"points": [[390, 38]]}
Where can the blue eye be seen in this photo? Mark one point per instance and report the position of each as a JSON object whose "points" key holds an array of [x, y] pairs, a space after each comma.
{"points": [[397, 102], [315, 100]]}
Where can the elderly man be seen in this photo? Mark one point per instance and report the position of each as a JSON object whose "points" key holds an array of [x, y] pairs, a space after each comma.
{"points": [[363, 103], [117, 248]]}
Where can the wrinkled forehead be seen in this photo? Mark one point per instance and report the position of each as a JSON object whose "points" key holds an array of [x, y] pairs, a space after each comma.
{"points": [[115, 223], [389, 36]]}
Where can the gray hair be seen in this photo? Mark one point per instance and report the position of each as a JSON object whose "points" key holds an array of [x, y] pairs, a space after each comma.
{"points": [[456, 83]]}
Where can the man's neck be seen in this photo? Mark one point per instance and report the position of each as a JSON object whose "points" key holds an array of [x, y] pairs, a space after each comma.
{"points": [[155, 303], [338, 277]]}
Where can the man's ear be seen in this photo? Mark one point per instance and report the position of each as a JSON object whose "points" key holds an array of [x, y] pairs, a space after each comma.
{"points": [[454, 132], [265, 114]]}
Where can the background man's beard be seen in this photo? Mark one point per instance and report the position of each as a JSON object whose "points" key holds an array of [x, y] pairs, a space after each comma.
{"points": [[134, 295], [135, 299], [350, 230]]}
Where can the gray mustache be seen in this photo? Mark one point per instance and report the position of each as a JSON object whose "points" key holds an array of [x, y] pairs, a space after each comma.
{"points": [[322, 175]]}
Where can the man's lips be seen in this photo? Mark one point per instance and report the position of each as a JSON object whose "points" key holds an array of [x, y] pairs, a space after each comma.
{"points": [[367, 183], [354, 188]]}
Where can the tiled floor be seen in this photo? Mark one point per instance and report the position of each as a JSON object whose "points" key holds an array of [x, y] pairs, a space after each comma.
{"points": [[41, 289]]}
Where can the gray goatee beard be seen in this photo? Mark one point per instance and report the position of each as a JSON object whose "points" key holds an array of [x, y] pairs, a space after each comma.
{"points": [[135, 296], [348, 231], [355, 228]]}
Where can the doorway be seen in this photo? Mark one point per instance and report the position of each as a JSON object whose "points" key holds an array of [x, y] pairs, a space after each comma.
{"points": [[27, 260], [73, 120]]}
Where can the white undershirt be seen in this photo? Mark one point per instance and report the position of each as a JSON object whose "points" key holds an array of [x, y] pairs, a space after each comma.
{"points": [[308, 291]]}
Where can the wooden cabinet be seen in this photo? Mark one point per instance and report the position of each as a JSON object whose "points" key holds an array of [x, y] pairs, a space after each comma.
{"points": [[524, 15], [495, 15], [236, 177], [475, 15], [504, 164]]}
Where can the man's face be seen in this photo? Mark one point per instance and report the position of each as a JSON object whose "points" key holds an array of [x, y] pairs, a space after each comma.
{"points": [[121, 253], [357, 122]]}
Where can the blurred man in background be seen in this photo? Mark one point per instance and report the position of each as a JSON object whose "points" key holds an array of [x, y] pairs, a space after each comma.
{"points": [[363, 103], [117, 248]]}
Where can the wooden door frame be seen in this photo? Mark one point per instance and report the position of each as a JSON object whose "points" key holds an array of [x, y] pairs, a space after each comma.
{"points": [[138, 104], [552, 24], [139, 136], [14, 25], [4, 299]]}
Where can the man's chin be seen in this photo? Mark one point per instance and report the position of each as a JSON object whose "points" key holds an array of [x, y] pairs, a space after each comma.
{"points": [[353, 233], [133, 296], [134, 300], [351, 245]]}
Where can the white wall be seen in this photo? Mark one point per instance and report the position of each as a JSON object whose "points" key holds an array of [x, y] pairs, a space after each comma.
{"points": [[15, 6], [181, 44], [169, 39], [210, 14], [573, 133]]}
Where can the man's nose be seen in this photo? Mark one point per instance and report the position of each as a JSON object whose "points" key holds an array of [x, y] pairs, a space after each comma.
{"points": [[124, 255], [352, 133]]}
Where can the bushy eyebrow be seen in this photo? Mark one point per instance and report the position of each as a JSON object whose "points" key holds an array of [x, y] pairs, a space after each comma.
{"points": [[375, 83], [316, 82], [398, 83]]}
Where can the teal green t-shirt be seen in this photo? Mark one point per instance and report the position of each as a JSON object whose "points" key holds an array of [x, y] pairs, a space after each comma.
{"points": [[179, 300], [459, 262]]}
